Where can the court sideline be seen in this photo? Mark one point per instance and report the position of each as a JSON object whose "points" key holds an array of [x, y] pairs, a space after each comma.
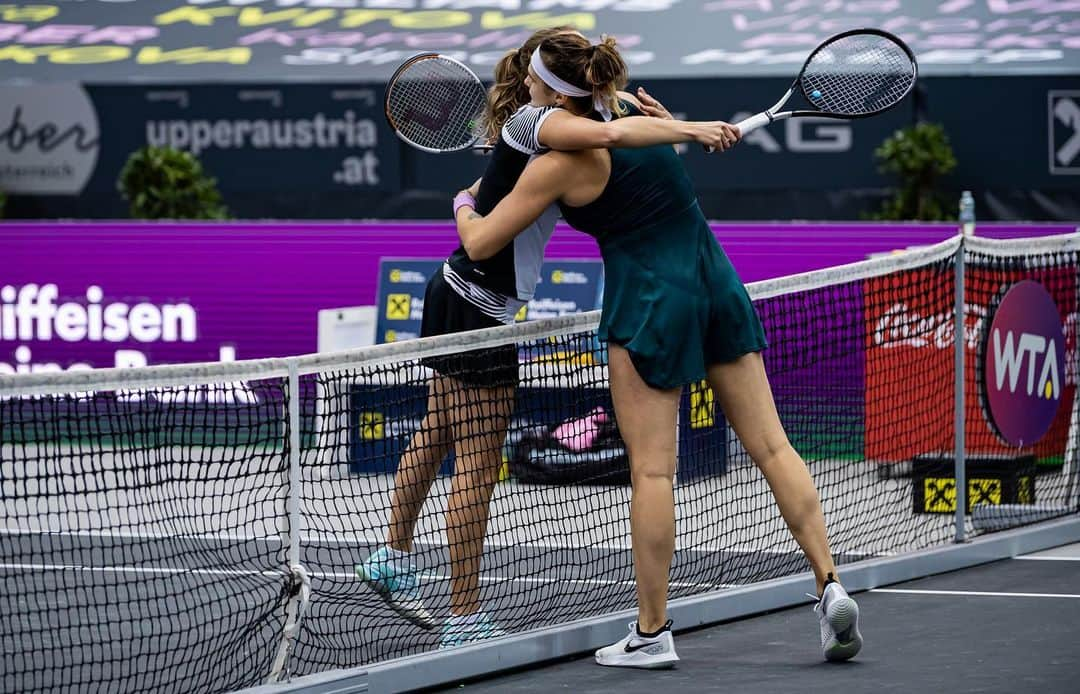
{"points": [[1007, 626]]}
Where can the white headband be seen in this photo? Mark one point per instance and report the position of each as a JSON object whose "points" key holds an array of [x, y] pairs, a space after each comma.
{"points": [[563, 87]]}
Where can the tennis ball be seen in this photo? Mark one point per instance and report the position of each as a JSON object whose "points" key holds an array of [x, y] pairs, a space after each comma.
{"points": [[815, 94]]}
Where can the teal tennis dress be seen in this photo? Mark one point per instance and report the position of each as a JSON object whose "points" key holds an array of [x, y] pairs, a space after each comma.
{"points": [[671, 296]]}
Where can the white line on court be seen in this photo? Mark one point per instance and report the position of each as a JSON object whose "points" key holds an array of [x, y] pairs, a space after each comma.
{"points": [[578, 581], [973, 593], [345, 575], [706, 547], [140, 570], [140, 536], [1048, 558], [364, 539]]}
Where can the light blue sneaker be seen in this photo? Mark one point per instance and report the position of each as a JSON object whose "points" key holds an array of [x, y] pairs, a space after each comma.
{"points": [[396, 583], [463, 629]]}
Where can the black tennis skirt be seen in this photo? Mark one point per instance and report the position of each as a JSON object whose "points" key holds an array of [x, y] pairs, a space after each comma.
{"points": [[445, 312]]}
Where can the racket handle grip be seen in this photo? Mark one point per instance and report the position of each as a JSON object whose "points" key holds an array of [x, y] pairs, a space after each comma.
{"points": [[754, 122], [748, 125]]}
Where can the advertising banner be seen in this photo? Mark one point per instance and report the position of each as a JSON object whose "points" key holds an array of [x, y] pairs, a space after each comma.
{"points": [[66, 139], [1045, 148], [566, 286], [910, 359], [126, 294], [325, 150], [106, 41]]}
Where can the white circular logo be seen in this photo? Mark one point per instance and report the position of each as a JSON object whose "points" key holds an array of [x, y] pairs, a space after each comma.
{"points": [[48, 139]]}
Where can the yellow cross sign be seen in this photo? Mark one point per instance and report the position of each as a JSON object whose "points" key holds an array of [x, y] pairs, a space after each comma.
{"points": [[939, 493], [397, 306]]}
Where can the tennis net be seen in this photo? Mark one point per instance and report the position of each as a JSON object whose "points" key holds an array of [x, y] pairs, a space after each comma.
{"points": [[197, 526]]}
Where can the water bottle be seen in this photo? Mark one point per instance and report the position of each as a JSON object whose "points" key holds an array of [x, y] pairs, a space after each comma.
{"points": [[967, 213]]}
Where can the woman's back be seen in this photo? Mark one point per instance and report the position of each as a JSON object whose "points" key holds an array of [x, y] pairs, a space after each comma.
{"points": [[648, 216], [671, 296], [646, 186]]}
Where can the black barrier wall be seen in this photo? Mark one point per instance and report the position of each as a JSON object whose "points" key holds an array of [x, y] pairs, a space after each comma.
{"points": [[325, 151]]}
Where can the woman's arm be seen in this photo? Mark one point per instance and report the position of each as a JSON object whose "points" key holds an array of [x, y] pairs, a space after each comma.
{"points": [[564, 131], [543, 182]]}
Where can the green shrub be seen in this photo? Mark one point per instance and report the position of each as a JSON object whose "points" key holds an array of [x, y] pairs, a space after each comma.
{"points": [[919, 156], [166, 183]]}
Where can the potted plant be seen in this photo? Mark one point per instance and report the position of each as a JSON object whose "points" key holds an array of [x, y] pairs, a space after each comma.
{"points": [[167, 183], [919, 156]]}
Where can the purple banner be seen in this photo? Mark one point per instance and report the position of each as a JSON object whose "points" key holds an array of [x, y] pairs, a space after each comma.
{"points": [[106, 294]]}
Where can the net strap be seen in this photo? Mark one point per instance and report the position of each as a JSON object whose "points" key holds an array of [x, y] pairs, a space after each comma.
{"points": [[299, 587]]}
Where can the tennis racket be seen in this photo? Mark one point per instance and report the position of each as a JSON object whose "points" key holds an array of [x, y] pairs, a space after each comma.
{"points": [[436, 104], [855, 74]]}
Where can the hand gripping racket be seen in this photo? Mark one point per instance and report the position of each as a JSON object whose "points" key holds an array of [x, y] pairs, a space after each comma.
{"points": [[855, 74], [436, 104]]}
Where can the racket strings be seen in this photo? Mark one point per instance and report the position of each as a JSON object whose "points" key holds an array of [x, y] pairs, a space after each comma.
{"points": [[858, 75], [436, 104]]}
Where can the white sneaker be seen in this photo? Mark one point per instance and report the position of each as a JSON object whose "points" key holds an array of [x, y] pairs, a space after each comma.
{"points": [[652, 652], [839, 616]]}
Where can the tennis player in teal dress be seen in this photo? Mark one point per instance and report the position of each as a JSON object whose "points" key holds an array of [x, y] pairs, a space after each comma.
{"points": [[675, 312], [671, 297]]}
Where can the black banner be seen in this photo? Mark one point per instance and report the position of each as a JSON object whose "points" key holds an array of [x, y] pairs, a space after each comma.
{"points": [[325, 150]]}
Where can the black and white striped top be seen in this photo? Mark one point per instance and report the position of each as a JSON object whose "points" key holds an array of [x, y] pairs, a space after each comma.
{"points": [[522, 130], [500, 285]]}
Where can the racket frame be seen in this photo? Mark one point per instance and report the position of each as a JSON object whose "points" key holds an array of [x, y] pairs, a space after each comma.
{"points": [[773, 114], [409, 62]]}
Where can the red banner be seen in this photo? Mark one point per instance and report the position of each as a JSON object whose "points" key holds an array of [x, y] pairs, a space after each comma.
{"points": [[910, 360]]}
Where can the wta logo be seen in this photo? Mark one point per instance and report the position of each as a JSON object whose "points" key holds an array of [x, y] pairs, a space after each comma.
{"points": [[1024, 355]]}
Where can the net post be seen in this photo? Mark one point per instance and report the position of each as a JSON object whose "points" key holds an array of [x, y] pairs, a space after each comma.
{"points": [[292, 503], [298, 582], [959, 340]]}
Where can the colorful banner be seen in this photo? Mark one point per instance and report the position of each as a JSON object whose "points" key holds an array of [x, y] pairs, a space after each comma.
{"points": [[400, 300], [76, 295], [910, 359], [348, 40]]}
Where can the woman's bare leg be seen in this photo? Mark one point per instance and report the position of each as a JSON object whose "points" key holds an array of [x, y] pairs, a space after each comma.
{"points": [[479, 420], [419, 465], [647, 419], [742, 389]]}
